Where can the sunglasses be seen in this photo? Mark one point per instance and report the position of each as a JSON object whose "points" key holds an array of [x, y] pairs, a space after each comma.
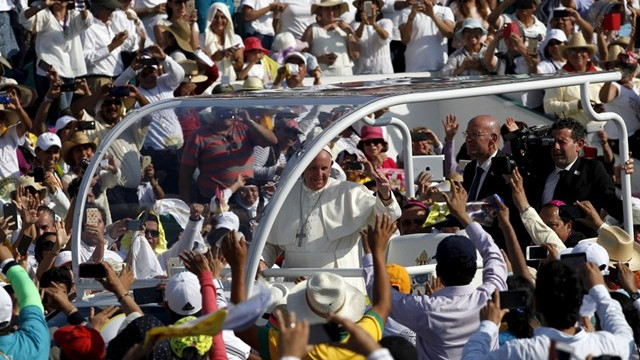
{"points": [[112, 102], [152, 233], [373, 142]]}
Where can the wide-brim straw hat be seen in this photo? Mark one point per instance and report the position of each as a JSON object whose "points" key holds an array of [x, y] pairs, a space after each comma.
{"points": [[324, 294], [78, 138], [344, 7], [620, 246], [181, 32], [577, 41], [27, 94], [612, 54], [191, 73]]}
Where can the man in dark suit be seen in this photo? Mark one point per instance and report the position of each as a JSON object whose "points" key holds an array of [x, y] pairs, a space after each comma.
{"points": [[481, 178], [575, 178]]}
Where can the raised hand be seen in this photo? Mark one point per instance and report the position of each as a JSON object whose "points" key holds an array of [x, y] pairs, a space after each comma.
{"points": [[234, 250], [492, 311], [450, 125], [380, 233], [194, 262], [457, 203], [100, 319], [294, 335]]}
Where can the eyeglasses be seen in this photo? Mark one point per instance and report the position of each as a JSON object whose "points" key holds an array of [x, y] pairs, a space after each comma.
{"points": [[474, 135], [152, 233], [579, 50]]}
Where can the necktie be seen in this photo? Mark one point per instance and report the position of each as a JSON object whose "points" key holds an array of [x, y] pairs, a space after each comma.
{"points": [[473, 193]]}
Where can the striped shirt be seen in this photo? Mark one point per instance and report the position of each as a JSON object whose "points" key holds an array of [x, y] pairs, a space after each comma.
{"points": [[220, 158]]}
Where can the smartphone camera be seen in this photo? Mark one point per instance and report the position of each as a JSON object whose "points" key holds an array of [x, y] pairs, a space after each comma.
{"points": [[38, 174], [86, 125], [67, 87], [149, 62], [4, 99], [119, 91]]}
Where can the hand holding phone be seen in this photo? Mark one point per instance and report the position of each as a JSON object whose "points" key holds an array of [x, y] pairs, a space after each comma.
{"points": [[92, 216], [10, 210], [536, 253], [95, 271], [513, 299], [44, 66]]}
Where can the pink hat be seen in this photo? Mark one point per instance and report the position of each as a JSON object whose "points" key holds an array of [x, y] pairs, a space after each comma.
{"points": [[371, 132], [253, 43]]}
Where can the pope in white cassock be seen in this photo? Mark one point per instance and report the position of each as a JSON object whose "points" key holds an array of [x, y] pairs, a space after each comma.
{"points": [[319, 223]]}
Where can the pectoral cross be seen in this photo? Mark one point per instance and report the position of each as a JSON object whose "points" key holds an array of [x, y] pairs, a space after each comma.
{"points": [[300, 236]]}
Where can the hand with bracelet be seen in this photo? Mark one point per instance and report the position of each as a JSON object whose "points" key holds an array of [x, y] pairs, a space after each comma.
{"points": [[119, 285]]}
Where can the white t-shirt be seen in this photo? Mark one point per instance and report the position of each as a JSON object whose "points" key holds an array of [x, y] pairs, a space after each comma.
{"points": [[396, 16], [9, 143], [627, 105], [297, 16], [262, 25], [427, 49]]}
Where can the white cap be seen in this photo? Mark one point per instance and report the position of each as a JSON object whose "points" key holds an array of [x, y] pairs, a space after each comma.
{"points": [[47, 140], [228, 220], [183, 294], [298, 55], [62, 122], [64, 257], [595, 254], [6, 307]]}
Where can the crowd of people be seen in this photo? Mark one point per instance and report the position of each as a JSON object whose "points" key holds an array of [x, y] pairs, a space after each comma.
{"points": [[178, 195]]}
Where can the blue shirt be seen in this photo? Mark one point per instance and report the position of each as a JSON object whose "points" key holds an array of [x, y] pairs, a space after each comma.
{"points": [[31, 341]]}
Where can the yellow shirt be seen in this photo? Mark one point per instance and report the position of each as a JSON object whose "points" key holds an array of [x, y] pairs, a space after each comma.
{"points": [[371, 323]]}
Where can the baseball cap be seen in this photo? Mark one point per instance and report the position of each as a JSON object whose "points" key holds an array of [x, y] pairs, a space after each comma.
{"points": [[298, 55], [63, 258], [62, 122], [6, 308], [47, 140], [595, 253], [183, 294], [80, 342], [398, 276], [453, 247], [225, 222]]}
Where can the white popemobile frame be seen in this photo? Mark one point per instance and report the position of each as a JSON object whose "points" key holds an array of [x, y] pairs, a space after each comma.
{"points": [[365, 102]]}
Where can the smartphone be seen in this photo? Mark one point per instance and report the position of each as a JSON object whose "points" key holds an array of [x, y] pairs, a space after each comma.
{"points": [[44, 66], [536, 253], [513, 299], [611, 21], [532, 46], [86, 125], [79, 5], [151, 295], [38, 174], [174, 266], [571, 211], [24, 244], [92, 216], [67, 87], [133, 225], [368, 9], [119, 91], [145, 162], [324, 333], [149, 62], [574, 261], [9, 209], [191, 6], [509, 29], [560, 13], [95, 271], [292, 69]]}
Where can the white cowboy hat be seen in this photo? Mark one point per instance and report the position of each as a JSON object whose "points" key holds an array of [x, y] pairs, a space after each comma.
{"points": [[620, 246], [344, 7], [577, 41], [325, 294]]}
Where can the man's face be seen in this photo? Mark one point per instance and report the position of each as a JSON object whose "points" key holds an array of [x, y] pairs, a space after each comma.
{"points": [[550, 216], [471, 38], [565, 150], [151, 233], [412, 220], [79, 152], [481, 142], [148, 77], [110, 110], [317, 173], [44, 223], [48, 158], [249, 194]]}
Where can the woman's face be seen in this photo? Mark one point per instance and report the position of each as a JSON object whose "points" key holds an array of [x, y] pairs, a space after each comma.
{"points": [[178, 8], [79, 152], [373, 148], [471, 38], [219, 22], [330, 14], [553, 47]]}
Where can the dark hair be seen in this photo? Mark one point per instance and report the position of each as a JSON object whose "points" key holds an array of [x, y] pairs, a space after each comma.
{"points": [[57, 275], [358, 16], [630, 313], [518, 319], [385, 145], [41, 246], [558, 294], [399, 347], [578, 130], [48, 210], [457, 272], [191, 353], [93, 206]]}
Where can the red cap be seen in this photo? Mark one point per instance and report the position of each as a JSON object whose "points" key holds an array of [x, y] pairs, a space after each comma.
{"points": [[80, 342], [253, 43]]}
